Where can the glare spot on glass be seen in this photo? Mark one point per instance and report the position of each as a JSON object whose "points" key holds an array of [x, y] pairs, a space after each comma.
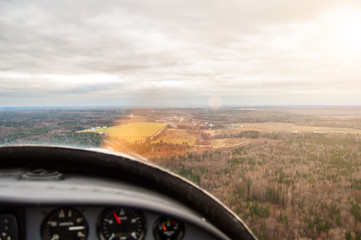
{"points": [[214, 102]]}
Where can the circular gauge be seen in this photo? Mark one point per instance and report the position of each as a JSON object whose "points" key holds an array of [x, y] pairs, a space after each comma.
{"points": [[121, 223], [64, 223], [168, 229]]}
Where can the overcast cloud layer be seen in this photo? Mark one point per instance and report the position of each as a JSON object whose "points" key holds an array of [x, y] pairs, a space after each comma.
{"points": [[179, 53]]}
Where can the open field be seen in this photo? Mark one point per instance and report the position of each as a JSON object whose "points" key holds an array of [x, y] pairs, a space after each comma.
{"points": [[224, 138], [290, 127], [131, 132], [177, 136], [267, 127], [234, 142], [137, 131]]}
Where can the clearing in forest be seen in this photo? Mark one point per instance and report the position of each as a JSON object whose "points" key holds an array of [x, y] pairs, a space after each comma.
{"points": [[281, 127], [131, 132], [177, 136]]}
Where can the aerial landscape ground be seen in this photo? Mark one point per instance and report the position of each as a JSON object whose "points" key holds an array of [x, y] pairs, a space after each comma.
{"points": [[288, 172]]}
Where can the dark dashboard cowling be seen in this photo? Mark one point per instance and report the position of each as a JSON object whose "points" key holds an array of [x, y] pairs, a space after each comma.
{"points": [[120, 168]]}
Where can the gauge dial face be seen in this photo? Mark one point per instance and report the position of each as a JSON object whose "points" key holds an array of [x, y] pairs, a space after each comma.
{"points": [[121, 224], [168, 229], [64, 223]]}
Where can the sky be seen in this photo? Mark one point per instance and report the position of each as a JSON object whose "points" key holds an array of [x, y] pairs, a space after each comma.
{"points": [[179, 53]]}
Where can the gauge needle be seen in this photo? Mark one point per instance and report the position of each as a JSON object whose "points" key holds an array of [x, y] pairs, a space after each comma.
{"points": [[164, 228], [117, 218]]}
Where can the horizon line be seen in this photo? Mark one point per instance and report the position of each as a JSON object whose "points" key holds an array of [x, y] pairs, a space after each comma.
{"points": [[165, 106]]}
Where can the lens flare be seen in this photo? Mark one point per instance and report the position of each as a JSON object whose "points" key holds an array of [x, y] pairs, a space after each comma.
{"points": [[214, 102]]}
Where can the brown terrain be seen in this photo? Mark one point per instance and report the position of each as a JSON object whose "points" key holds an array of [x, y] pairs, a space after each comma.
{"points": [[295, 178], [288, 172]]}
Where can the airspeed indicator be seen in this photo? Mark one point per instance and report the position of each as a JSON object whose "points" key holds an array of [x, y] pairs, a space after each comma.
{"points": [[64, 223]]}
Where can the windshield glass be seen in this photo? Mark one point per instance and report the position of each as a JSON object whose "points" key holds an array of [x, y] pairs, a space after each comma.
{"points": [[254, 101]]}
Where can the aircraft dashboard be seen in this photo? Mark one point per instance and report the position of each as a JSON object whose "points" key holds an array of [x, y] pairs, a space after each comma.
{"points": [[53, 193], [45, 204]]}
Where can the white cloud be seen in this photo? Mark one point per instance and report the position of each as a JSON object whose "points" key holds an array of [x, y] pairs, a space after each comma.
{"points": [[158, 52], [83, 79]]}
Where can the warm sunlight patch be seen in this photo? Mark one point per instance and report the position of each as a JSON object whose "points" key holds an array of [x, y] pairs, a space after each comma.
{"points": [[344, 25]]}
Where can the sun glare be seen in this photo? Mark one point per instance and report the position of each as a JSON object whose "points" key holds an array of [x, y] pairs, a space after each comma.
{"points": [[345, 26]]}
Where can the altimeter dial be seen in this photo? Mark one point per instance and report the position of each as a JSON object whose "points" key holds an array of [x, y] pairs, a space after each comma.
{"points": [[121, 224]]}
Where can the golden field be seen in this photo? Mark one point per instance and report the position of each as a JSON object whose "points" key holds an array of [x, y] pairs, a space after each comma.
{"points": [[131, 132], [177, 136]]}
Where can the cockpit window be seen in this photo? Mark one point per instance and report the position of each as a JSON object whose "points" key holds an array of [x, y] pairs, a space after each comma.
{"points": [[256, 102]]}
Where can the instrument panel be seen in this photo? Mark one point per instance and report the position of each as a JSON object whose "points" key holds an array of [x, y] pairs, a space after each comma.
{"points": [[110, 223], [37, 182], [83, 207]]}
